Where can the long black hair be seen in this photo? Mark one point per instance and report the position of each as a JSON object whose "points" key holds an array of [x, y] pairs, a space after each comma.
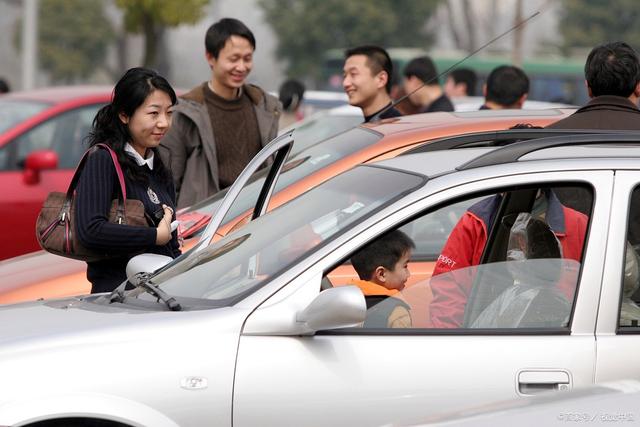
{"points": [[129, 93]]}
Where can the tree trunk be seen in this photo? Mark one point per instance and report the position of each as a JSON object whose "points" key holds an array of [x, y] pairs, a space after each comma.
{"points": [[150, 40], [516, 54], [162, 65], [452, 25], [470, 24]]}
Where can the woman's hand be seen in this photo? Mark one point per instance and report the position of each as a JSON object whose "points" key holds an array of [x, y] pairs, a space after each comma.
{"points": [[163, 230]]}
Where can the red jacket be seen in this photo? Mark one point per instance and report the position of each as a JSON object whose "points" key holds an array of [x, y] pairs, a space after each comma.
{"points": [[466, 244]]}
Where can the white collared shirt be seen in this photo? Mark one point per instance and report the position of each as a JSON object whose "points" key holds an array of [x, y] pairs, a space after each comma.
{"points": [[138, 158]]}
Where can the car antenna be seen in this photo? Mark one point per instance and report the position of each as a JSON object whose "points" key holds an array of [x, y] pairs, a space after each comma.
{"points": [[519, 24]]}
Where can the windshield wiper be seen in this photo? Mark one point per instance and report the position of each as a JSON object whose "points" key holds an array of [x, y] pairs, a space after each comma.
{"points": [[143, 280]]}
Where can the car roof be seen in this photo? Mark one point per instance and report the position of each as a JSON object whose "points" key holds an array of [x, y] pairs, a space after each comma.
{"points": [[345, 110], [466, 121], [60, 94], [599, 144], [473, 103]]}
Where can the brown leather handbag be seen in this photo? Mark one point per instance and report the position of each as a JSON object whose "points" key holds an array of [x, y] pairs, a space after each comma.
{"points": [[56, 226]]}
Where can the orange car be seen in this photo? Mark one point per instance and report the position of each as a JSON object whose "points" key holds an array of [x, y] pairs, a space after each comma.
{"points": [[42, 275]]}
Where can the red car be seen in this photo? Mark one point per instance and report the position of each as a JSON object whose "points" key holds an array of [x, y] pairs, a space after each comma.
{"points": [[41, 141]]}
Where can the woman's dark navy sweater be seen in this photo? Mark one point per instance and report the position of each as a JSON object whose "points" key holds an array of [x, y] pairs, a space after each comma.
{"points": [[97, 187]]}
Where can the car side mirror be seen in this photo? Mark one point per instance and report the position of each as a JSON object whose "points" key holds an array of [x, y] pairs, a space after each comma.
{"points": [[340, 307], [146, 263], [36, 162]]}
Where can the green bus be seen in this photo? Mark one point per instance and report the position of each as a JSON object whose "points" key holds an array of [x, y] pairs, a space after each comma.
{"points": [[559, 80]]}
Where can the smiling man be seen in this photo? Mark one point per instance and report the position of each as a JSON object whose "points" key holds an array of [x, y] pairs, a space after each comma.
{"points": [[221, 124], [367, 81]]}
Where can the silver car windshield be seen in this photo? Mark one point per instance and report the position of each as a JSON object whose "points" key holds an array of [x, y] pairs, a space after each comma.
{"points": [[13, 112], [233, 267]]}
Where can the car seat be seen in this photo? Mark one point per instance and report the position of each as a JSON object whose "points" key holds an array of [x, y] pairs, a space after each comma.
{"points": [[535, 265], [629, 309]]}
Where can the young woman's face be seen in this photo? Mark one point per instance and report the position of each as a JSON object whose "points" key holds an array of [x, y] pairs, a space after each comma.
{"points": [[149, 122]]}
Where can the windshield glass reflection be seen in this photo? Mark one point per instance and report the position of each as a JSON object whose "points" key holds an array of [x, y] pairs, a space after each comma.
{"points": [[247, 258], [297, 167]]}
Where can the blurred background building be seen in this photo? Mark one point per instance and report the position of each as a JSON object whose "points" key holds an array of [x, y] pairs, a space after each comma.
{"points": [[94, 41]]}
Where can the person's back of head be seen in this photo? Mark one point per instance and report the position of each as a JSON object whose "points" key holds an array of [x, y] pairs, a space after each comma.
{"points": [[385, 251], [219, 33], [461, 82], [507, 87], [612, 69], [423, 68], [378, 60], [4, 86], [290, 94]]}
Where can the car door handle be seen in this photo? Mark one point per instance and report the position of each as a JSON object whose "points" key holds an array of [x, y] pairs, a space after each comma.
{"points": [[537, 381]]}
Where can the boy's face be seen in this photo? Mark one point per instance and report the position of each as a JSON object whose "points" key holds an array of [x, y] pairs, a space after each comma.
{"points": [[234, 62], [396, 278], [359, 83]]}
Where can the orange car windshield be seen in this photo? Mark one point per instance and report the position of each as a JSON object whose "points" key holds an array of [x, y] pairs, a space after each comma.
{"points": [[299, 165]]}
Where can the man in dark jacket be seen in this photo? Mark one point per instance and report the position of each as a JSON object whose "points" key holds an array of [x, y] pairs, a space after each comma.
{"points": [[507, 87], [421, 73], [612, 74], [222, 123], [367, 82]]}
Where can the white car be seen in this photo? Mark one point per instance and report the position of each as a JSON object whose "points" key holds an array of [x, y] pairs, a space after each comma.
{"points": [[249, 329], [614, 403], [473, 103]]}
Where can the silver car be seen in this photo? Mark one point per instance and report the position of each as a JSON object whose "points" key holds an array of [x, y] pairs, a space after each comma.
{"points": [[257, 328]]}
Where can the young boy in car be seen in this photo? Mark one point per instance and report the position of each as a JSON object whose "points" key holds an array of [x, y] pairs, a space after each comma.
{"points": [[383, 270]]}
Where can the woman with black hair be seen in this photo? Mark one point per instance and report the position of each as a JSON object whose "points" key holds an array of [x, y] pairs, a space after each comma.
{"points": [[132, 125], [290, 95]]}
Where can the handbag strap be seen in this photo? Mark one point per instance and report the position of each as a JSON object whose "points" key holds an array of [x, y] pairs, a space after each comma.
{"points": [[122, 198]]}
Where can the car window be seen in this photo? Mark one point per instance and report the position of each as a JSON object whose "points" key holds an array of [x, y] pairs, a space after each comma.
{"points": [[63, 134], [630, 296], [507, 260], [13, 112]]}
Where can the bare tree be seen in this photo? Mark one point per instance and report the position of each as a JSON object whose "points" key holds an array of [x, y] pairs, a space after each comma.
{"points": [[518, 36]]}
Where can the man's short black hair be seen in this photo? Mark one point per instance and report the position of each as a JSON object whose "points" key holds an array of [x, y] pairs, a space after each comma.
{"points": [[218, 34], [423, 68], [466, 76], [612, 69], [506, 84], [377, 60], [384, 251]]}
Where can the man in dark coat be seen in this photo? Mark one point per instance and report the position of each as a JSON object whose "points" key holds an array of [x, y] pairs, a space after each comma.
{"points": [[612, 74], [421, 73], [507, 87], [367, 82]]}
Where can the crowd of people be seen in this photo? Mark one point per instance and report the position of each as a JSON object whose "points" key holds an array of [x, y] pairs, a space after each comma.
{"points": [[177, 151]]}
